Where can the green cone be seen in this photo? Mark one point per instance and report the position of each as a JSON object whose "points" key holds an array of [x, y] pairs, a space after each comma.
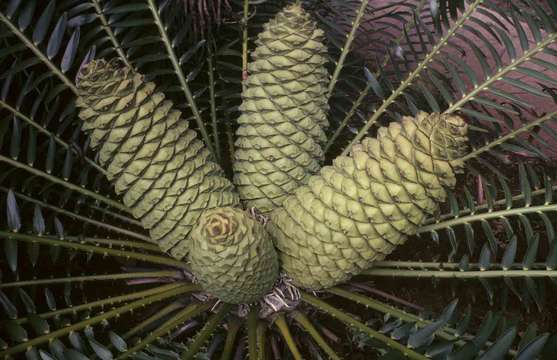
{"points": [[364, 205], [233, 256], [284, 111], [153, 158]]}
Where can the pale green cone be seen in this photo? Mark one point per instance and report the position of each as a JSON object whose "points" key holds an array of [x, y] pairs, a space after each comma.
{"points": [[284, 111], [233, 256], [359, 209], [153, 158]]}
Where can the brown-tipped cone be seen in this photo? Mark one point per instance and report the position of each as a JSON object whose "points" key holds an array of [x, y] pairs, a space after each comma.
{"points": [[153, 158], [284, 111], [359, 209], [233, 256]]}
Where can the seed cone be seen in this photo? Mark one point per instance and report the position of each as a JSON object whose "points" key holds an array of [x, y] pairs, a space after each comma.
{"points": [[233, 256], [284, 111], [364, 205], [150, 153]]}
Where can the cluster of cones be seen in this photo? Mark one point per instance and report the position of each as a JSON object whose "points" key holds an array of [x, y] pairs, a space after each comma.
{"points": [[326, 224]]}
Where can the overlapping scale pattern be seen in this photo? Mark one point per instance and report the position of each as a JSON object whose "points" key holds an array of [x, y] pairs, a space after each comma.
{"points": [[359, 209], [151, 155], [284, 111], [233, 256]]}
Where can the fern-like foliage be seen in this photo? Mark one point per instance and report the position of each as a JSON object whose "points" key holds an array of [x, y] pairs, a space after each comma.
{"points": [[78, 280]]}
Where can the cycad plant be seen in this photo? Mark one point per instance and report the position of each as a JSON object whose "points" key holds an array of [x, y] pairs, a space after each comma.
{"points": [[236, 179]]}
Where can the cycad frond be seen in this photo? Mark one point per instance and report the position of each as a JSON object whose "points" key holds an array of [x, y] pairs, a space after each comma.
{"points": [[483, 85]]}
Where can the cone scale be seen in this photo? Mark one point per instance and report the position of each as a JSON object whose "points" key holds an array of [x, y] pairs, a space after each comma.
{"points": [[359, 209]]}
